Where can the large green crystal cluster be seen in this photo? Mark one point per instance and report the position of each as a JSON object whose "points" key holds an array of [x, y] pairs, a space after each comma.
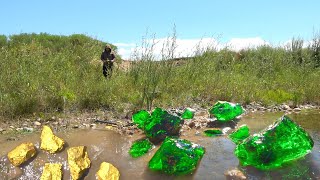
{"points": [[176, 156], [281, 142], [140, 147], [240, 134], [226, 111], [158, 125]]}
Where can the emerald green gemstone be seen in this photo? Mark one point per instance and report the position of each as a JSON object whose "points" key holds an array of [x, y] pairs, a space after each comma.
{"points": [[140, 147], [141, 118], [176, 156], [158, 125], [240, 134], [187, 114], [213, 132], [282, 142], [226, 111]]}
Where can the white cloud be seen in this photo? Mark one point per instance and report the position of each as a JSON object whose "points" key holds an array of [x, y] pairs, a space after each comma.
{"points": [[188, 47]]}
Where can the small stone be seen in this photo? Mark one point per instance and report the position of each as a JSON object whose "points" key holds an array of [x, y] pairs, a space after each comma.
{"points": [[75, 126], [107, 172], [78, 161], [176, 156], [55, 123], [296, 109], [226, 111], [19, 129], [12, 127], [140, 147], [235, 174], [191, 124], [28, 129], [51, 172], [22, 153], [37, 123], [1, 130]]}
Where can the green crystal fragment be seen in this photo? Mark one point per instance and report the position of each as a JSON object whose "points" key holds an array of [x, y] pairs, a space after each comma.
{"points": [[162, 124], [240, 134], [140, 147], [176, 156], [282, 142], [213, 132], [141, 118], [187, 114], [226, 111]]}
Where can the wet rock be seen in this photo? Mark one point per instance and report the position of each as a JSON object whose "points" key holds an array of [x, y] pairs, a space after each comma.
{"points": [[22, 153], [158, 125], [226, 111], [282, 142], [37, 123], [107, 172], [235, 174], [49, 141], [78, 161], [52, 172], [140, 147], [240, 134], [213, 132], [176, 156]]}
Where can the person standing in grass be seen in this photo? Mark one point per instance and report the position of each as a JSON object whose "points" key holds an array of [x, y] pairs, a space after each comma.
{"points": [[107, 57]]}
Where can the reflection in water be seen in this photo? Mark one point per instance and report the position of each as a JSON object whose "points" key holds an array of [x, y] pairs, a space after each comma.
{"points": [[108, 146]]}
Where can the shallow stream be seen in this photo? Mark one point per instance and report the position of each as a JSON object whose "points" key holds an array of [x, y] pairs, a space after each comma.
{"points": [[105, 145]]}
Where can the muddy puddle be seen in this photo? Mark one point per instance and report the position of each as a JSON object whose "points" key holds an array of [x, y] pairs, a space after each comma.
{"points": [[104, 145]]}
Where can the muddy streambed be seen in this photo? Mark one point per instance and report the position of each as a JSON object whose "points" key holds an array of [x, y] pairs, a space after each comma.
{"points": [[106, 145]]}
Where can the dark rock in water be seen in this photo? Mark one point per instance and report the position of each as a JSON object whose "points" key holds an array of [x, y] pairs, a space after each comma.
{"points": [[282, 142], [176, 156], [213, 132], [226, 111], [140, 147], [240, 134], [158, 125]]}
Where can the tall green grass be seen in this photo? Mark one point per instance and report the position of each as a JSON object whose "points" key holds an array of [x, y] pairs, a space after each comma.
{"points": [[48, 73]]}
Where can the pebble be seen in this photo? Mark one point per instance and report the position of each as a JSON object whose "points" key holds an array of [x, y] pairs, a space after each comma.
{"points": [[235, 174], [75, 126], [37, 123], [28, 129], [296, 109]]}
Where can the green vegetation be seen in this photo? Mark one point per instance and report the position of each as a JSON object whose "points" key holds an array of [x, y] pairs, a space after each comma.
{"points": [[48, 73]]}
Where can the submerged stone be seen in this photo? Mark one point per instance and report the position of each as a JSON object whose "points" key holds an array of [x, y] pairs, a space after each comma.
{"points": [[226, 111], [187, 114], [78, 161], [107, 172], [176, 156], [213, 132], [140, 147], [281, 142], [49, 141], [22, 153], [51, 172], [158, 125], [240, 134]]}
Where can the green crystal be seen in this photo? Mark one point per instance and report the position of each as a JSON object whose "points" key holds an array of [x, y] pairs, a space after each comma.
{"points": [[140, 147], [187, 114], [176, 156], [281, 142], [213, 132], [226, 111], [240, 134], [159, 125], [141, 118]]}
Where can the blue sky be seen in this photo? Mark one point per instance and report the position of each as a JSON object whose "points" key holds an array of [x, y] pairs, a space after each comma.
{"points": [[125, 22]]}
